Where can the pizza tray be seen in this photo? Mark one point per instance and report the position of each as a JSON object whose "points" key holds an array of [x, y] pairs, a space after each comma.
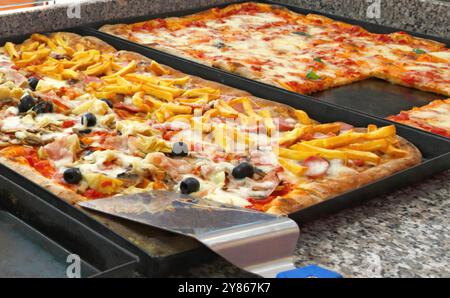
{"points": [[37, 240], [161, 253], [435, 149], [373, 96]]}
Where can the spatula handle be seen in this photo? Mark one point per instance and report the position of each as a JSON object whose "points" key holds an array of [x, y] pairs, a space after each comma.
{"points": [[311, 271]]}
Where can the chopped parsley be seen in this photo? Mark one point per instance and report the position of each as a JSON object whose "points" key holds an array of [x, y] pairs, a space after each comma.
{"points": [[311, 75], [318, 59], [419, 51], [302, 33]]}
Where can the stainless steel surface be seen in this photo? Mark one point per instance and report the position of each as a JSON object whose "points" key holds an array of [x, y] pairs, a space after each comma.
{"points": [[257, 242]]}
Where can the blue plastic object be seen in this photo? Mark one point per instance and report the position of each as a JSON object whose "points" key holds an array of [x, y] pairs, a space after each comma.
{"points": [[311, 271]]}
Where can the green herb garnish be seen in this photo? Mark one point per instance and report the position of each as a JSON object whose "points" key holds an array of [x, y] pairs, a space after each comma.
{"points": [[302, 33], [318, 59], [419, 51], [311, 75]]}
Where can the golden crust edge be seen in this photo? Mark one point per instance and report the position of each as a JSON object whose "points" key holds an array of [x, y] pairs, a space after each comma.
{"points": [[330, 188]]}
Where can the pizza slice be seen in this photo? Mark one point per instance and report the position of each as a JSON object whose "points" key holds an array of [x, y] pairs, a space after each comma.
{"points": [[434, 117]]}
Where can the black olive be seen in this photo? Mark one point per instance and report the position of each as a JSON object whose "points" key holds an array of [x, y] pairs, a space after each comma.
{"points": [[85, 131], [88, 119], [72, 175], [189, 185], [26, 103], [43, 107], [180, 149], [33, 82], [88, 152], [243, 170], [108, 102]]}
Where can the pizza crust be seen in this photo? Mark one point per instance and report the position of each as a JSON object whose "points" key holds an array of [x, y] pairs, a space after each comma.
{"points": [[328, 188], [48, 184]]}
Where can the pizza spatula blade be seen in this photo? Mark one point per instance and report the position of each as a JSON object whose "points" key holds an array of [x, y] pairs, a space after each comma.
{"points": [[254, 241]]}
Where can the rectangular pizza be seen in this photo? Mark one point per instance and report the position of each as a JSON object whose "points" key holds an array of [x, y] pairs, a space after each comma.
{"points": [[86, 121], [301, 53]]}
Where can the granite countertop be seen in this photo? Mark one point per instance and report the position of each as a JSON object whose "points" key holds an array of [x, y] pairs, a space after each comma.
{"points": [[404, 234]]}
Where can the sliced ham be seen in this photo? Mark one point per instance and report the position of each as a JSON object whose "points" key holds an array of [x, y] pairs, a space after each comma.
{"points": [[317, 166], [63, 150], [15, 76], [346, 127], [286, 124], [175, 168]]}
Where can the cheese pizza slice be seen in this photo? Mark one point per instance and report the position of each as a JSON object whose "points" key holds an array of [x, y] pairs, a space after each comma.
{"points": [[434, 117]]}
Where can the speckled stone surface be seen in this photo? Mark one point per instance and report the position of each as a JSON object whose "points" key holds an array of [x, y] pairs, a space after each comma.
{"points": [[403, 234], [55, 17], [423, 16]]}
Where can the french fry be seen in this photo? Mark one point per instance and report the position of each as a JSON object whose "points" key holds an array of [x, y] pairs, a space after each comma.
{"points": [[384, 132], [268, 121], [225, 110], [291, 137], [294, 154], [98, 68], [62, 43], [327, 128], [127, 69], [70, 74], [179, 81], [158, 69], [46, 40], [177, 109], [374, 145], [208, 93], [195, 100], [302, 117], [151, 90], [335, 142], [292, 166], [29, 46], [208, 114], [33, 57], [139, 101], [183, 118], [362, 155], [392, 151], [142, 79], [326, 153]]}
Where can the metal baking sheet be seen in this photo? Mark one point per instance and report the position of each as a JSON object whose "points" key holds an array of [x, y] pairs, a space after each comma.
{"points": [[435, 149], [373, 96], [37, 239], [27, 253]]}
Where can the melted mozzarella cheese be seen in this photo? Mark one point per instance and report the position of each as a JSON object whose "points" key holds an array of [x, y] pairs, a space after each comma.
{"points": [[46, 83], [442, 55], [337, 168]]}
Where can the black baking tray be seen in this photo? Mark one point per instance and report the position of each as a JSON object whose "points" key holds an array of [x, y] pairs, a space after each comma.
{"points": [[435, 149], [436, 153], [373, 96], [37, 239]]}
